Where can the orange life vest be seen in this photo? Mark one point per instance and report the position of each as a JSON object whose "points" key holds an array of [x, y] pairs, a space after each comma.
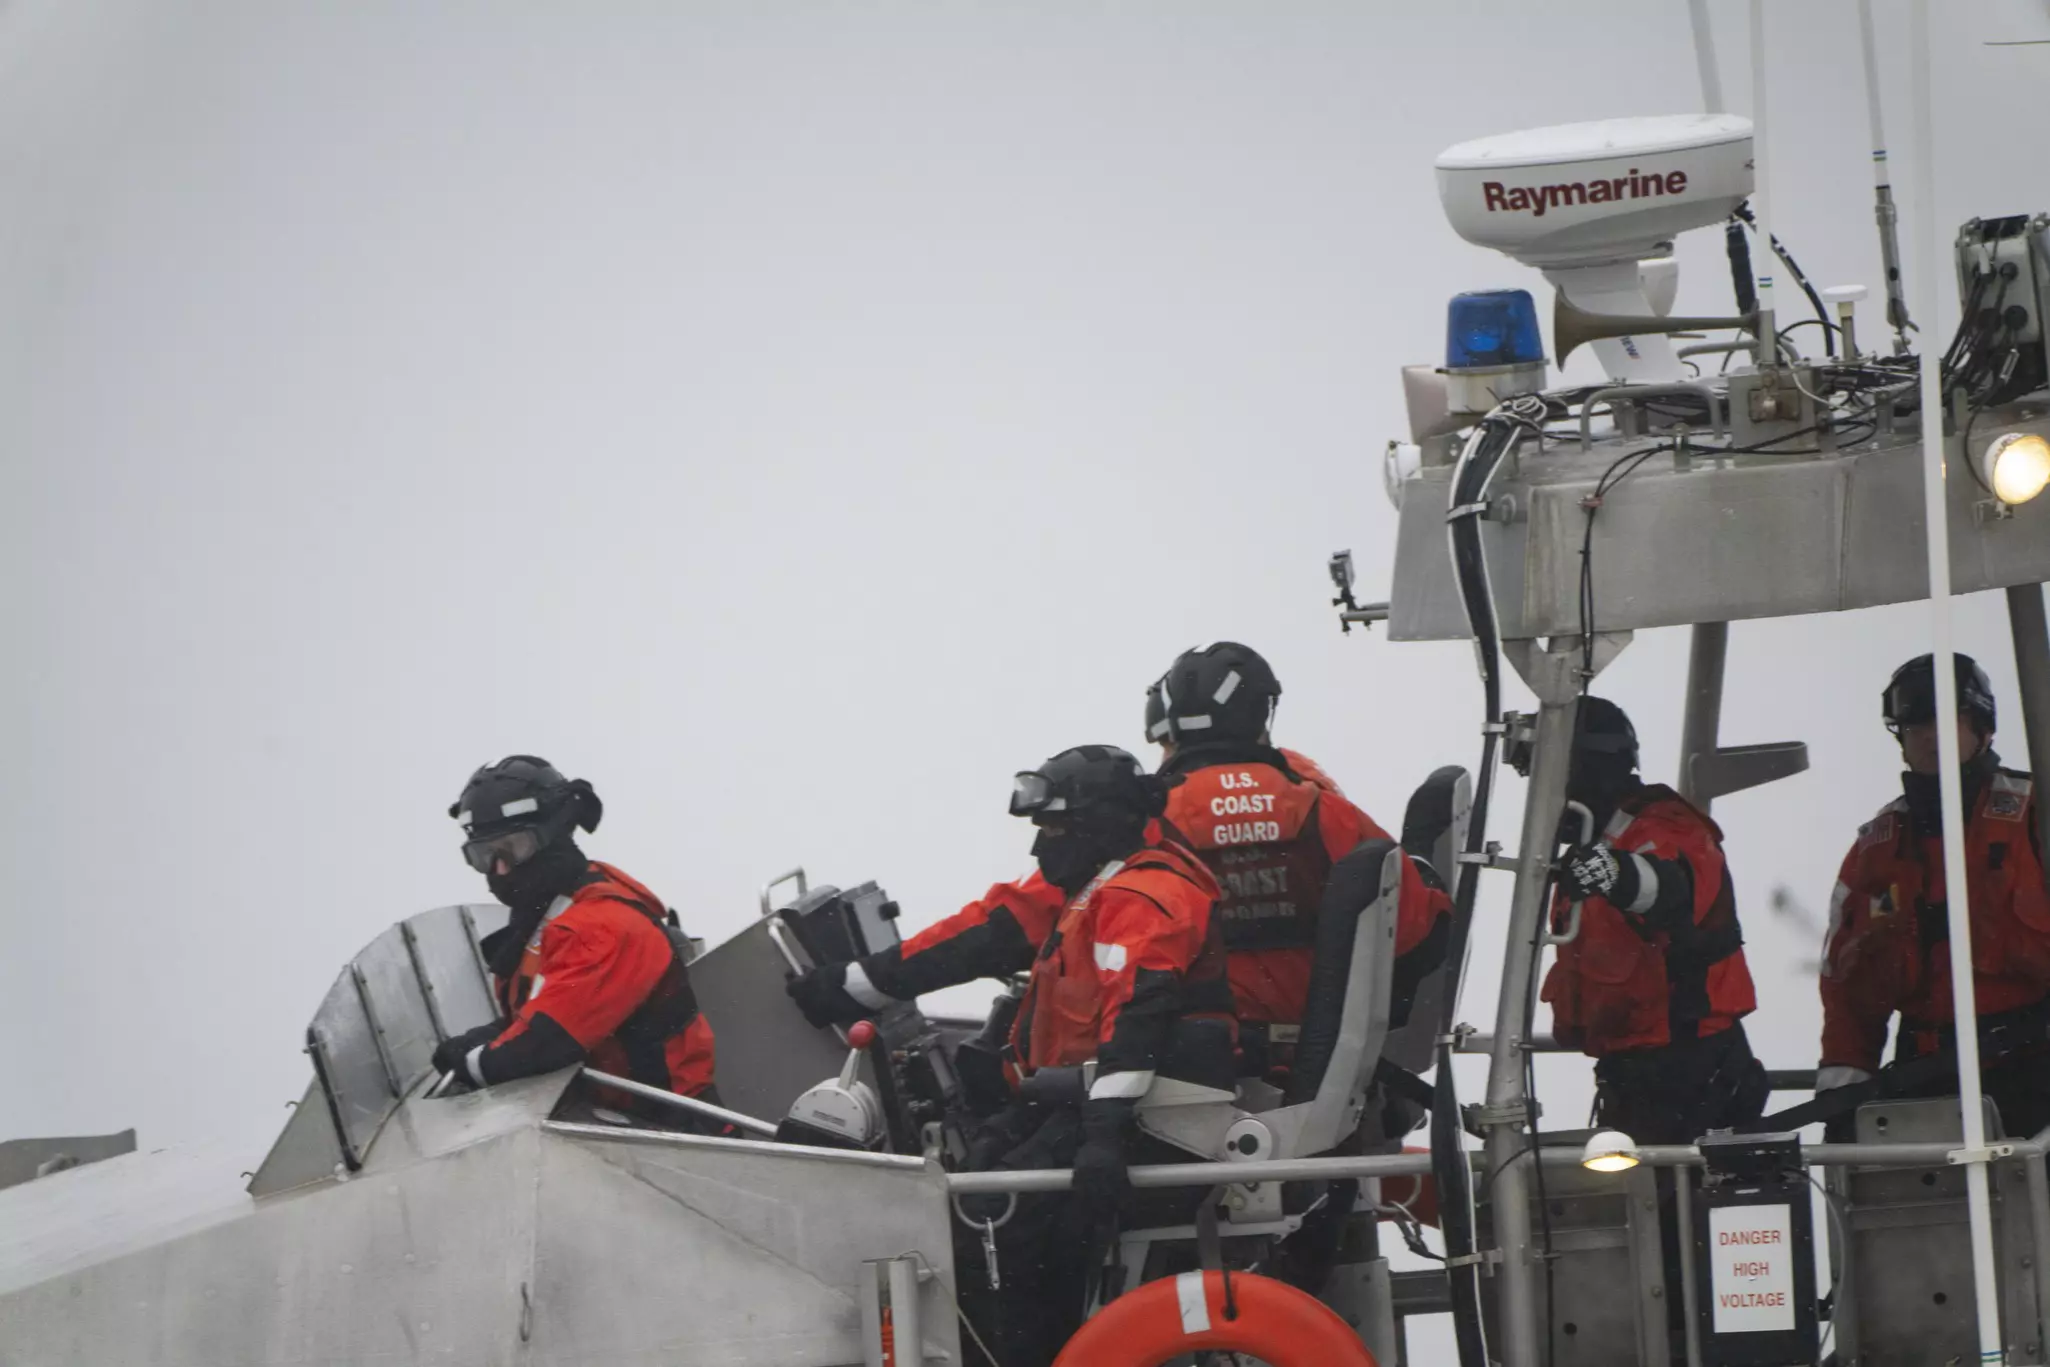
{"points": [[664, 1041], [1256, 828], [1889, 942], [1620, 984], [1066, 1013]]}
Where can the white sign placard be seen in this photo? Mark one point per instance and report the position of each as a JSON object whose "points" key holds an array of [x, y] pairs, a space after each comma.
{"points": [[1751, 1263]]}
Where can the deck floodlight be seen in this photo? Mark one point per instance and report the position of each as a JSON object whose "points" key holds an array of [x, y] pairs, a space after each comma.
{"points": [[2015, 466], [1609, 1151]]}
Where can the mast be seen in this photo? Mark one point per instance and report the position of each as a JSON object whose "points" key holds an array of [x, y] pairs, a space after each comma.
{"points": [[1936, 517]]}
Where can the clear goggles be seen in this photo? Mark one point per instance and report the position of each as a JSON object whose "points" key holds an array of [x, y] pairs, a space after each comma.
{"points": [[513, 848], [1032, 794]]}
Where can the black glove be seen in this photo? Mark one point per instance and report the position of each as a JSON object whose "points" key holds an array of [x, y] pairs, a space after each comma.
{"points": [[450, 1054], [1101, 1186], [1598, 871], [822, 995]]}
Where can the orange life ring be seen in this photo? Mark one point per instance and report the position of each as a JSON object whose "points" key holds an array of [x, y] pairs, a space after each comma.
{"points": [[1275, 1323]]}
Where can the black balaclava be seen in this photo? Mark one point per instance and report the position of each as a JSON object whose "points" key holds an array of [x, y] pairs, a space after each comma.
{"points": [[556, 870], [1600, 783], [1076, 855], [1925, 791], [1603, 770]]}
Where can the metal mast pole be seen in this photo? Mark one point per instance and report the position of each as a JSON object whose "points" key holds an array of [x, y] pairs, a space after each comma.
{"points": [[2025, 620], [1883, 211], [1766, 354], [1506, 1114], [1709, 645], [1950, 761]]}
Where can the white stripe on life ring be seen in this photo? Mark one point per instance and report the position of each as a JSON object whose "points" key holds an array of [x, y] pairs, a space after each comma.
{"points": [[1188, 1289]]}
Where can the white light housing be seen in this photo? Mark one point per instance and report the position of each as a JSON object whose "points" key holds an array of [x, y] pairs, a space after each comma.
{"points": [[1609, 1151], [2015, 466]]}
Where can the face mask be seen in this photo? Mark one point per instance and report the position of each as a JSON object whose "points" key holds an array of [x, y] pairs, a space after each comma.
{"points": [[1068, 860], [549, 874]]}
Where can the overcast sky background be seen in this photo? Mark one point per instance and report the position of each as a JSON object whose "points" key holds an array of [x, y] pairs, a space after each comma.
{"points": [[794, 418]]}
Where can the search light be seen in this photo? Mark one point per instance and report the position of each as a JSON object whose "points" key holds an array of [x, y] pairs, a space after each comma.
{"points": [[1609, 1151], [2016, 466]]}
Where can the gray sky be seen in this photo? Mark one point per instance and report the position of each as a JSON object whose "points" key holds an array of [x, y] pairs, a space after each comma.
{"points": [[793, 418]]}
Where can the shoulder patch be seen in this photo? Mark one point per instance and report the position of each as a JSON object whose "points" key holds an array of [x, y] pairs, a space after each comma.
{"points": [[1878, 831], [2007, 797]]}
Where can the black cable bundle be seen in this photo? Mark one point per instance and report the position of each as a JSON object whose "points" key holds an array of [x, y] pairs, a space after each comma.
{"points": [[1738, 247], [1483, 456], [1786, 257]]}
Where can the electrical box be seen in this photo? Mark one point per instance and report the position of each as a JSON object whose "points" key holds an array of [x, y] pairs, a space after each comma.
{"points": [[2003, 290], [1754, 1260]]}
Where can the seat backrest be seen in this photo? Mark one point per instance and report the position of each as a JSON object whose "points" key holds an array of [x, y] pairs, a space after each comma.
{"points": [[1345, 1020], [1433, 833]]}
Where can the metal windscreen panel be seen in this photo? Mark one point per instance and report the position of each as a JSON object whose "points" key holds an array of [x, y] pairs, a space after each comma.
{"points": [[397, 1006], [449, 968], [350, 1065]]}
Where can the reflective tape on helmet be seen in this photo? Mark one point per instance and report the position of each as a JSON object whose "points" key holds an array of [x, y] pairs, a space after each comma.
{"points": [[1110, 958], [1197, 723], [1226, 689], [520, 806]]}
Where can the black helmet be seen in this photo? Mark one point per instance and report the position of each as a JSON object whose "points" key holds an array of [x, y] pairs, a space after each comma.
{"points": [[519, 805], [1910, 696], [1603, 728], [1090, 782], [1223, 691], [1156, 712]]}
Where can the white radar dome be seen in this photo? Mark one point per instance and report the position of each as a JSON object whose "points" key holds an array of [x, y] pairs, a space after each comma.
{"points": [[1581, 194]]}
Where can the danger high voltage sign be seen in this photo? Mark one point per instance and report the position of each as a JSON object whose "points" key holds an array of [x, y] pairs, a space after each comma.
{"points": [[1751, 1266]]}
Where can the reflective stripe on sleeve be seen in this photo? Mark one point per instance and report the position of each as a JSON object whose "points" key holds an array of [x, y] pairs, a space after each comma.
{"points": [[862, 990], [1647, 885], [1110, 958], [1129, 1085]]}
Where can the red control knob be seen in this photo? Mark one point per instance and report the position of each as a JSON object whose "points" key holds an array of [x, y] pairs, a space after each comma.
{"points": [[861, 1034]]}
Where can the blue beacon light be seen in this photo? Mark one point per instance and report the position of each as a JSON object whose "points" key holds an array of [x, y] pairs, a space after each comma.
{"points": [[1488, 328]]}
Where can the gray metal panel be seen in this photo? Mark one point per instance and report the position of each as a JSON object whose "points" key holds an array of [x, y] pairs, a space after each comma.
{"points": [[1715, 541], [347, 1059], [23, 1160], [1607, 1274], [1423, 600], [767, 1055], [423, 1265], [449, 967], [1668, 546], [106, 1211], [724, 1254], [397, 1004], [1907, 1294], [305, 1151]]}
